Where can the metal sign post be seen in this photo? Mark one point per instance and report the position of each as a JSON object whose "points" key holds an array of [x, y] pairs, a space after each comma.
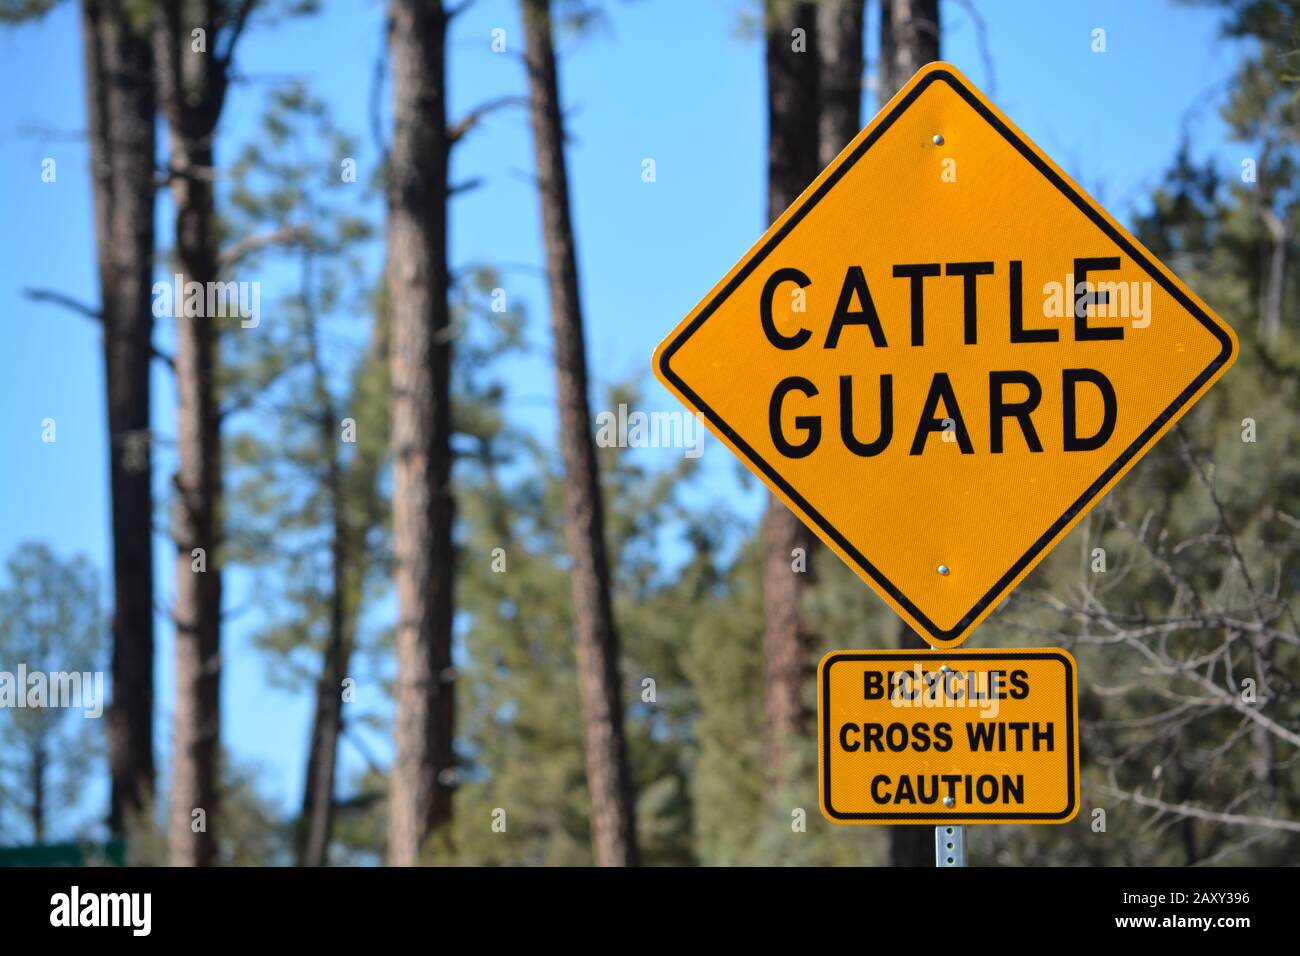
{"points": [[950, 846], [949, 841]]}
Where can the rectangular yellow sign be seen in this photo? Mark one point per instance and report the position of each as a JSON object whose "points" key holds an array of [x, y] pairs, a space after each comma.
{"points": [[956, 736]]}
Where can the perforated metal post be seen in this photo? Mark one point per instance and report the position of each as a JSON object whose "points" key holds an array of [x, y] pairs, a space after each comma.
{"points": [[949, 846], [949, 841]]}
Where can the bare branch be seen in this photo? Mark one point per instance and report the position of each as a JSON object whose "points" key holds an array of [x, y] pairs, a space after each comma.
{"points": [[66, 301], [1199, 813], [982, 42], [284, 236], [469, 185], [458, 131], [458, 9], [191, 172], [237, 24], [376, 98], [87, 311]]}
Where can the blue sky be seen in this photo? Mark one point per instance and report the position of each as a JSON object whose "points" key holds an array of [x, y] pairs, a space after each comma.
{"points": [[679, 81]]}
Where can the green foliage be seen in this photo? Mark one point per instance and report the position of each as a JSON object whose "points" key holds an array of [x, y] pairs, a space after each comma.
{"points": [[518, 684], [723, 660], [308, 440], [288, 441], [17, 11], [50, 623], [252, 830]]}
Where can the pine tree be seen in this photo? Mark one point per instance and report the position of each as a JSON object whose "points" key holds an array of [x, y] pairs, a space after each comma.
{"points": [[50, 623], [793, 105], [421, 346], [193, 82], [121, 99], [305, 455], [600, 683]]}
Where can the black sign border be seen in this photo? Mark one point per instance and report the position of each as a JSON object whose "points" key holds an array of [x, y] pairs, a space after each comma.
{"points": [[1084, 501], [939, 819]]}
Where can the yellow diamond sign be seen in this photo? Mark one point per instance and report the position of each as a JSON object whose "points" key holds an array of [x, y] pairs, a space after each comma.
{"points": [[943, 354]]}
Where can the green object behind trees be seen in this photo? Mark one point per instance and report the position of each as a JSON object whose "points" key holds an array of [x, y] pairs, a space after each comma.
{"points": [[112, 853]]}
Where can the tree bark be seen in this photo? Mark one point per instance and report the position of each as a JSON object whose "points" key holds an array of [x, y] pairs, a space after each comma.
{"points": [[418, 282], [915, 39], [839, 44], [327, 720], [913, 42], [318, 787], [608, 775], [192, 86], [40, 762], [1270, 314], [120, 103], [317, 817], [886, 83], [792, 163], [354, 500]]}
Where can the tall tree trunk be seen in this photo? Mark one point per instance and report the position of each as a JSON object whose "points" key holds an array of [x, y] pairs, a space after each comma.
{"points": [[193, 86], [120, 103], [1270, 313], [839, 44], [418, 282], [914, 26], [914, 42], [197, 612], [317, 818], [318, 792], [39, 762], [608, 776], [318, 789], [327, 720], [792, 163], [886, 83], [351, 519]]}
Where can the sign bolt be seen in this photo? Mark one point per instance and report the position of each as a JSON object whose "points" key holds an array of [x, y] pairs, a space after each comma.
{"points": [[948, 801], [938, 139], [943, 569]]}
